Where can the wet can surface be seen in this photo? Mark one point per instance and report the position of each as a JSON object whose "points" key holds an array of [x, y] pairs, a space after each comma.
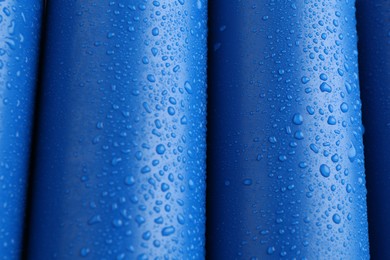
{"points": [[121, 149], [20, 24], [285, 153], [373, 20]]}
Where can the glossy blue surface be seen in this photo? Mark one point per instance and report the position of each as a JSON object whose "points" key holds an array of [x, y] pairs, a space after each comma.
{"points": [[374, 70], [121, 149], [285, 154], [20, 22]]}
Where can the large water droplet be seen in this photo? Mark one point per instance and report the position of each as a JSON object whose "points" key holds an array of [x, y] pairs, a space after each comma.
{"points": [[325, 170]]}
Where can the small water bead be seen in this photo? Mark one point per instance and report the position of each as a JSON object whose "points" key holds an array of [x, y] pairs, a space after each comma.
{"points": [[94, 220], [323, 77], [188, 87], [151, 78], [156, 243], [305, 80], [282, 158], [6, 11], [336, 218], [180, 219], [348, 87], [164, 187], [110, 35], [167, 231], [302, 165], [352, 153], [247, 182], [271, 250], [117, 223], [171, 111], [314, 148], [129, 180], [299, 135], [325, 170], [99, 125], [154, 51], [324, 87], [176, 68], [335, 158], [344, 107], [298, 119], [145, 60], [146, 235], [160, 149], [183, 120], [159, 220], [332, 120], [172, 100], [84, 252], [272, 140], [145, 169], [310, 110], [222, 28], [155, 31]]}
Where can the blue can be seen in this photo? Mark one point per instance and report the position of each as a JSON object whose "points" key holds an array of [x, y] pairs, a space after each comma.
{"points": [[20, 25], [120, 159], [373, 20], [285, 153]]}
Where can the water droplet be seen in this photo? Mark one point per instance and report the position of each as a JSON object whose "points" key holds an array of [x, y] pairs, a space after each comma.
{"points": [[348, 188], [145, 169], [160, 149], [336, 218], [164, 187], [282, 158], [335, 158], [155, 31], [151, 78], [305, 80], [84, 252], [183, 120], [348, 87], [171, 111], [271, 250], [344, 107], [247, 182], [332, 120], [323, 77], [188, 87], [325, 171], [299, 135], [272, 139], [324, 87], [167, 231], [352, 153], [298, 119], [129, 180], [310, 110], [146, 235]]}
